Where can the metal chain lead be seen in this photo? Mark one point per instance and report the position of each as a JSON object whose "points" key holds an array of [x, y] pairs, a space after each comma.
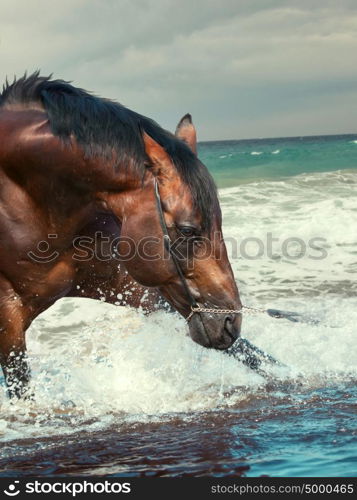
{"points": [[253, 310], [195, 308]]}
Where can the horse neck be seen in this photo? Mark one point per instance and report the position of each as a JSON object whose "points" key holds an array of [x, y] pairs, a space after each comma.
{"points": [[57, 174]]}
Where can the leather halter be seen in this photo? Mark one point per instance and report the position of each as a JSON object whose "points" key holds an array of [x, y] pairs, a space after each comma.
{"points": [[195, 308]]}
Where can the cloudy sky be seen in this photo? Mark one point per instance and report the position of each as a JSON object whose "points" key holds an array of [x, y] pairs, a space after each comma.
{"points": [[243, 68]]}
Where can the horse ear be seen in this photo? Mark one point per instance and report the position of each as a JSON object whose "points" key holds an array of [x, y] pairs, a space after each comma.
{"points": [[159, 159], [186, 131]]}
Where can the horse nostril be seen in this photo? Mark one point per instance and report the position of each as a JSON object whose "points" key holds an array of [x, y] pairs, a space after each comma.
{"points": [[231, 327], [228, 323]]}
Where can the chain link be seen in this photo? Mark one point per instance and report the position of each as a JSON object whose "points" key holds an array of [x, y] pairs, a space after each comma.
{"points": [[252, 310]]}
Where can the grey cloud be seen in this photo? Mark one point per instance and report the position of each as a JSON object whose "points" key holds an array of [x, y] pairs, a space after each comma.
{"points": [[243, 68]]}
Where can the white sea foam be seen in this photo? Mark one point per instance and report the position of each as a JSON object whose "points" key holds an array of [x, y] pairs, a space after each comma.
{"points": [[304, 208], [276, 152], [256, 153]]}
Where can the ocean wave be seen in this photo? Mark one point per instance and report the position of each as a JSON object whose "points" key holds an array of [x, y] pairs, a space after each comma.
{"points": [[272, 226], [112, 371]]}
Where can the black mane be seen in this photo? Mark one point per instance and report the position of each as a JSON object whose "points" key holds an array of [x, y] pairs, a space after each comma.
{"points": [[101, 126]]}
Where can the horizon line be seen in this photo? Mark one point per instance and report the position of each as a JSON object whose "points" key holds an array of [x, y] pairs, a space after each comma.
{"points": [[279, 137]]}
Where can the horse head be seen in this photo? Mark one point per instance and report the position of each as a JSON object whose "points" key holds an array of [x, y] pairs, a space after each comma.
{"points": [[194, 227]]}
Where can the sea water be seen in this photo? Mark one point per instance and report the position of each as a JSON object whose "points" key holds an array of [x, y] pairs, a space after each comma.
{"points": [[120, 393]]}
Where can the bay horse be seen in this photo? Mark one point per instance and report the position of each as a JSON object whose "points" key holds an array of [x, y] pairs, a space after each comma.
{"points": [[74, 165]]}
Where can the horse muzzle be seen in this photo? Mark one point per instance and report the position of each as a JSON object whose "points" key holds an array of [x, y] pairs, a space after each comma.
{"points": [[215, 331]]}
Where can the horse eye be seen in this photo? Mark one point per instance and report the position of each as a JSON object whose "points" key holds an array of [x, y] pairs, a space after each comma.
{"points": [[187, 231]]}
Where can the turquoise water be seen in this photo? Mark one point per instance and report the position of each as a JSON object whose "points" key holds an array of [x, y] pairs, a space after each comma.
{"points": [[118, 393], [232, 162]]}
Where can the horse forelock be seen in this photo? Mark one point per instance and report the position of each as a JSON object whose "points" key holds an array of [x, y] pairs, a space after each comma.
{"points": [[102, 126]]}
